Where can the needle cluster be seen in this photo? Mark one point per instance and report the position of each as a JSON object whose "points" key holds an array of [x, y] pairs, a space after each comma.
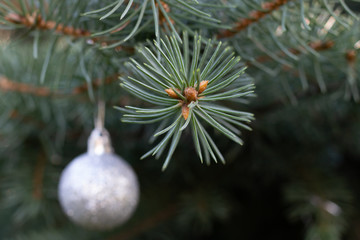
{"points": [[188, 88]]}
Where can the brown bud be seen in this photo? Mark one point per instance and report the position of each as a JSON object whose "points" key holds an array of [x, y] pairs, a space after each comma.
{"points": [[30, 19], [85, 33], [319, 45], [42, 92], [77, 32], [118, 48], [185, 111], [257, 14], [351, 56], [50, 24], [59, 27], [268, 5], [203, 86], [14, 114], [171, 93], [42, 23], [13, 17], [68, 30], [190, 94], [166, 6], [328, 44]]}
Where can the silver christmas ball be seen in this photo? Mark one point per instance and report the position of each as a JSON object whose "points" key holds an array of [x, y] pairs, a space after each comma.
{"points": [[98, 189]]}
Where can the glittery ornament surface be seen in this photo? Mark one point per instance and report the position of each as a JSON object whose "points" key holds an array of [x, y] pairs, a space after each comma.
{"points": [[98, 191]]}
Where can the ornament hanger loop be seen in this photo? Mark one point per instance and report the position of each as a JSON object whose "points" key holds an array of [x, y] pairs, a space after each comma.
{"points": [[100, 119], [99, 141]]}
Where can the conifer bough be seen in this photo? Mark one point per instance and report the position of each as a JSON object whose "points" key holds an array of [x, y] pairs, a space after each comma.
{"points": [[168, 16], [188, 89]]}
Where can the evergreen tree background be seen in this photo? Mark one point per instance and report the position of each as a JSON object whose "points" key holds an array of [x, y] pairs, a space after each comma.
{"points": [[296, 175]]}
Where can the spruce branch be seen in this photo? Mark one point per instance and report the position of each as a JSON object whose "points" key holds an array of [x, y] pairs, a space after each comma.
{"points": [[188, 93], [268, 8], [291, 46], [254, 16], [167, 16], [36, 21]]}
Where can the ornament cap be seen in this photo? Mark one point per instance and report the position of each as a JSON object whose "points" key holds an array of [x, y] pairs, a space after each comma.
{"points": [[99, 142]]}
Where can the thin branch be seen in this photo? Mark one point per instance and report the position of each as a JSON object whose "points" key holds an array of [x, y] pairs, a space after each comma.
{"points": [[7, 85], [39, 176], [14, 114], [316, 45], [162, 18], [254, 16], [36, 21], [96, 83], [278, 104]]}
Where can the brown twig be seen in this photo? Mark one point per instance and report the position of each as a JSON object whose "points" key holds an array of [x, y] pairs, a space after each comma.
{"points": [[36, 21], [7, 85], [147, 223], [14, 114], [96, 83], [162, 18], [254, 16], [316, 45], [39, 176], [276, 105]]}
